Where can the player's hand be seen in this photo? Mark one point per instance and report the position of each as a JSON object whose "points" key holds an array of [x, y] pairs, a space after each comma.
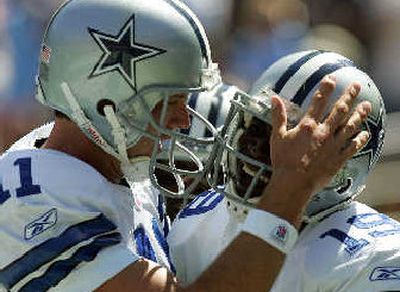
{"points": [[309, 155]]}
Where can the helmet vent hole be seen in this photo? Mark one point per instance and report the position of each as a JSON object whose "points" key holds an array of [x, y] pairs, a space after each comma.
{"points": [[102, 103]]}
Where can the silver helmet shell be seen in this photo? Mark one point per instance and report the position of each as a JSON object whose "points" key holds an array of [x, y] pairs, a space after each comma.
{"points": [[127, 55], [295, 78]]}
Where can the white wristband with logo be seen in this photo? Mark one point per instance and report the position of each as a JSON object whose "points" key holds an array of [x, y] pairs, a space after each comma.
{"points": [[272, 229]]}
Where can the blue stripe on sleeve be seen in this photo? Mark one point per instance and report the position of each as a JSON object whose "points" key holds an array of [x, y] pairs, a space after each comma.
{"points": [[143, 245], [163, 243], [52, 248], [61, 269]]}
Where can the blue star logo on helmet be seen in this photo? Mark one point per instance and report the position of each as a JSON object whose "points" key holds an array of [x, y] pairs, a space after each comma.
{"points": [[121, 52], [374, 145]]}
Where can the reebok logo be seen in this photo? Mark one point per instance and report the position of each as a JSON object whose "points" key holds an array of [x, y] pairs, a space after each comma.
{"points": [[44, 222]]}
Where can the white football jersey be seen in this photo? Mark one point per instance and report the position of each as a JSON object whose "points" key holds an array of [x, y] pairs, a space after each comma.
{"points": [[63, 226], [199, 233], [356, 249]]}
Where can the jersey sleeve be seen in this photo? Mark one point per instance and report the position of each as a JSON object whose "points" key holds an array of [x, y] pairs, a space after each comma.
{"points": [[63, 225], [107, 264], [356, 249], [196, 236]]}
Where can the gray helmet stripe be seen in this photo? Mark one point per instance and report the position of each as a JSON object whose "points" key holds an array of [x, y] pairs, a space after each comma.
{"points": [[199, 31], [316, 77], [293, 70]]}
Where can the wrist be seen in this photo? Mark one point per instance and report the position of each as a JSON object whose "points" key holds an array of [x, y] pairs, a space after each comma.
{"points": [[272, 229], [286, 199], [291, 181]]}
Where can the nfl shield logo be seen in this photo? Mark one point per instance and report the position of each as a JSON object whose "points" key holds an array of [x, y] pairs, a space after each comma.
{"points": [[280, 233]]}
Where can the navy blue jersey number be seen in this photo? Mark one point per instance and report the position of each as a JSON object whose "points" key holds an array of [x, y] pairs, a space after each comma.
{"points": [[4, 194], [370, 221], [25, 175], [352, 245], [27, 187], [203, 203]]}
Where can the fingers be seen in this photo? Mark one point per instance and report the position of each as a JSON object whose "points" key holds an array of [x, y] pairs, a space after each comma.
{"points": [[358, 117], [279, 117], [341, 110], [320, 99], [356, 144]]}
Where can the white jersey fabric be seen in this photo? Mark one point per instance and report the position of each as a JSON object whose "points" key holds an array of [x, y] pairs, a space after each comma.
{"points": [[355, 249], [65, 227]]}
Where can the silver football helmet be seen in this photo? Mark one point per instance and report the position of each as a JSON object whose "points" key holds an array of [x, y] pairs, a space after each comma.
{"points": [[107, 63], [295, 78]]}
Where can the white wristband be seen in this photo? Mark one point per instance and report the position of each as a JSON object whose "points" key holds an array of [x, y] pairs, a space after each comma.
{"points": [[272, 229]]}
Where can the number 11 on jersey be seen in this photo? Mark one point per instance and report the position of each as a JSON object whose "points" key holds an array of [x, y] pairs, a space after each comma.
{"points": [[27, 187]]}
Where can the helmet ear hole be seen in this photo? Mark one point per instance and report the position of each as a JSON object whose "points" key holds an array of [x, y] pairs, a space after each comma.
{"points": [[102, 103]]}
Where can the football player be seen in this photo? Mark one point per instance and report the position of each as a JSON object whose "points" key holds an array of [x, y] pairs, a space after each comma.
{"points": [[117, 74], [343, 245]]}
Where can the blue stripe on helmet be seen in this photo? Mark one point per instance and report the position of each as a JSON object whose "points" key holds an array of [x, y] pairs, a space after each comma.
{"points": [[316, 77], [293, 70], [213, 115], [197, 31]]}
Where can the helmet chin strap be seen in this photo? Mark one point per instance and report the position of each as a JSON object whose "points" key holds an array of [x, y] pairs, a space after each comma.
{"points": [[134, 169], [117, 132]]}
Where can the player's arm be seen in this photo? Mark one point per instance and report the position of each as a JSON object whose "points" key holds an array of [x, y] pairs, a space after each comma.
{"points": [[317, 148]]}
